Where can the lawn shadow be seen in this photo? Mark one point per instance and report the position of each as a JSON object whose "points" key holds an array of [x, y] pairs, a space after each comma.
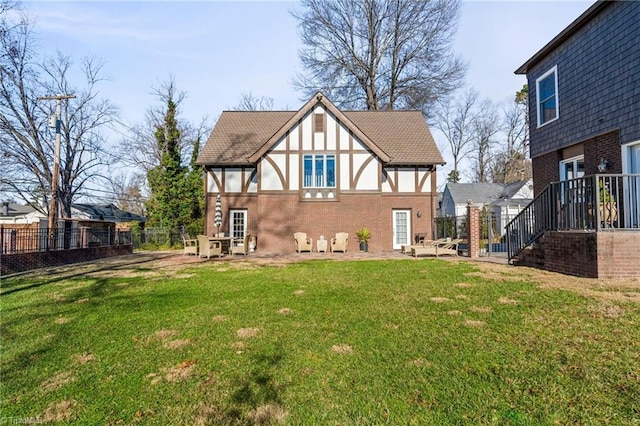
{"points": [[15, 283], [257, 398]]}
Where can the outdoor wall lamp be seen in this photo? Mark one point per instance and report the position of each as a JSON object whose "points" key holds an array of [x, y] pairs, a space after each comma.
{"points": [[602, 166], [419, 213]]}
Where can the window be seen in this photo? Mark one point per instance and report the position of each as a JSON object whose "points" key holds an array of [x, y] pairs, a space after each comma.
{"points": [[547, 95], [572, 168], [319, 171]]}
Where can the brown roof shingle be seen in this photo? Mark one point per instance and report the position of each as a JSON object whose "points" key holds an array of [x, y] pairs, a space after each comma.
{"points": [[402, 135]]}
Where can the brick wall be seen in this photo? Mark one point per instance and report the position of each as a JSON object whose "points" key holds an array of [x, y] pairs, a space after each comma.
{"points": [[591, 254], [605, 146], [276, 216], [545, 171], [19, 262]]}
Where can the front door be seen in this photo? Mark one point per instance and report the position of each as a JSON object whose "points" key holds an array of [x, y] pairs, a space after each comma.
{"points": [[401, 228], [238, 223]]}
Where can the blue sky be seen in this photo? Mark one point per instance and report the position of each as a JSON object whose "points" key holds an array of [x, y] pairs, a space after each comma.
{"points": [[217, 50]]}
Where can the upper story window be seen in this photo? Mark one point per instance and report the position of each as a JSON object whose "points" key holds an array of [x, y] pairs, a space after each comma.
{"points": [[547, 96], [319, 171]]}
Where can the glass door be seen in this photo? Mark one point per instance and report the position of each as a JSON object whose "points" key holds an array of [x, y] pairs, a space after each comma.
{"points": [[401, 228], [632, 188], [238, 223]]}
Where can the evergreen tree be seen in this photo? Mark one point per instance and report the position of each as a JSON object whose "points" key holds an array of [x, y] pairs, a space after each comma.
{"points": [[170, 201]]}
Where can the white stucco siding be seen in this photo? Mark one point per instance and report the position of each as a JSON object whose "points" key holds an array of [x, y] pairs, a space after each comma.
{"points": [[252, 180], [406, 180], [358, 145], [331, 132], [368, 179], [233, 180], [293, 138], [307, 126], [281, 145], [212, 186], [345, 172], [387, 180], [344, 137], [270, 179], [294, 172], [426, 186]]}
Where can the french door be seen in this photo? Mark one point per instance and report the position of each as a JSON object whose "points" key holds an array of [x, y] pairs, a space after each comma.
{"points": [[401, 228], [237, 223]]}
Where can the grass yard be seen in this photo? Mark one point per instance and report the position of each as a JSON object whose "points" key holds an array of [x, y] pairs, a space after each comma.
{"points": [[393, 342]]}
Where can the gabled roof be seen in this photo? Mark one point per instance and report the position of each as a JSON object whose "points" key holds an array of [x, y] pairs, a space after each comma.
{"points": [[396, 137], [16, 210], [486, 193], [575, 26], [479, 193], [107, 212]]}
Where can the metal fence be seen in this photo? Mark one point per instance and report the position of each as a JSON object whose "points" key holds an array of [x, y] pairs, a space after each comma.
{"points": [[157, 236], [590, 203], [493, 224], [25, 240]]}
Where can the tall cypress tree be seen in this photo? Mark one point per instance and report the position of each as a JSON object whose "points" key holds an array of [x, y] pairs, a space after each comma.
{"points": [[169, 204]]}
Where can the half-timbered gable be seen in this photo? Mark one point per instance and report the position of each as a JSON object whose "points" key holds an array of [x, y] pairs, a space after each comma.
{"points": [[323, 170]]}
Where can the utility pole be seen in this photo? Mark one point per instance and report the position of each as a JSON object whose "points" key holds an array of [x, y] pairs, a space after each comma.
{"points": [[53, 207]]}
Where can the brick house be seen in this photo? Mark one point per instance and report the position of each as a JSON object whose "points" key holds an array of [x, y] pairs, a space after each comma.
{"points": [[321, 170], [584, 111]]}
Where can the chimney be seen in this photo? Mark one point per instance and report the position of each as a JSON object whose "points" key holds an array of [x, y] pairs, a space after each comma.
{"points": [[5, 208]]}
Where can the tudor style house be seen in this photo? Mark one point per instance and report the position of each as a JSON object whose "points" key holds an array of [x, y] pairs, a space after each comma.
{"points": [[584, 111], [321, 171]]}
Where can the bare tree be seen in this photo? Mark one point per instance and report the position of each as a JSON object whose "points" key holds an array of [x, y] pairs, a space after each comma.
{"points": [[486, 125], [380, 54], [456, 121], [512, 164], [26, 142], [248, 102], [141, 150], [128, 193]]}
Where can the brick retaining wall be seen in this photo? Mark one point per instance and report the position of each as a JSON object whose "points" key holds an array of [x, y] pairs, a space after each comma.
{"points": [[588, 254], [19, 262]]}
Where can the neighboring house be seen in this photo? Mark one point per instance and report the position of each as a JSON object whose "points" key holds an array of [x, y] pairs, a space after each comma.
{"points": [[105, 212], [503, 201], [15, 214], [321, 170], [584, 111]]}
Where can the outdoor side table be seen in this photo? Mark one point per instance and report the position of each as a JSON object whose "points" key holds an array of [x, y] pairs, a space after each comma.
{"points": [[321, 245]]}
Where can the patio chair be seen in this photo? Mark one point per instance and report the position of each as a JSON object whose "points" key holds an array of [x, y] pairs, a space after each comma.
{"points": [[437, 249], [209, 248], [406, 248], [303, 243], [340, 242], [190, 245], [240, 245]]}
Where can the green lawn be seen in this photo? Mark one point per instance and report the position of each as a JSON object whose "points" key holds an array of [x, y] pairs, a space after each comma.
{"points": [[322, 342]]}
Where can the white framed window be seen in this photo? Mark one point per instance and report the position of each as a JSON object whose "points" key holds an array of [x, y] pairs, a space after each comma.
{"points": [[319, 171], [572, 168], [547, 96]]}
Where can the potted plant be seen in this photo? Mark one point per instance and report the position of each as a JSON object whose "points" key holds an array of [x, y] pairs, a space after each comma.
{"points": [[363, 235]]}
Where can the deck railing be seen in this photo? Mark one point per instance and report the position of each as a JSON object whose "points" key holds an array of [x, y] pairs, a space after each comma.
{"points": [[596, 203], [25, 240]]}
